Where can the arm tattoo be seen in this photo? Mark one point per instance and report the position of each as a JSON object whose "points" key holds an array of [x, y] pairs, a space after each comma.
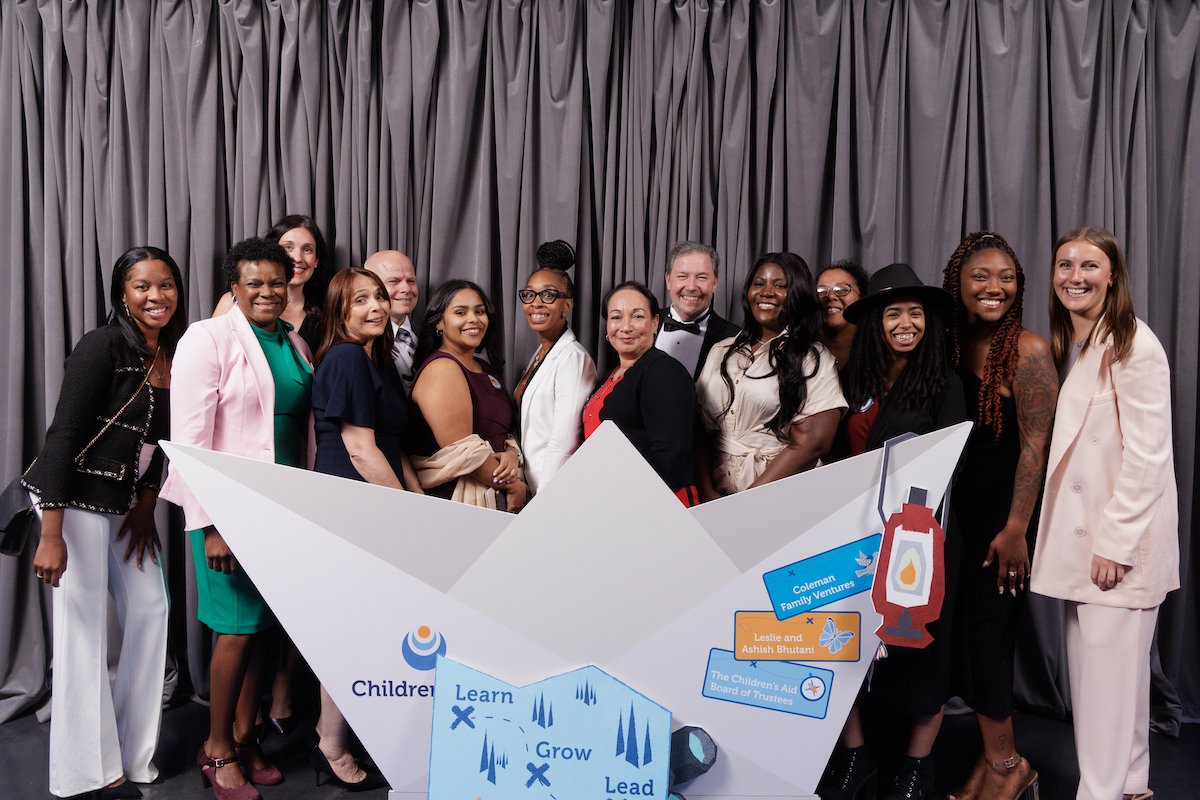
{"points": [[1035, 387]]}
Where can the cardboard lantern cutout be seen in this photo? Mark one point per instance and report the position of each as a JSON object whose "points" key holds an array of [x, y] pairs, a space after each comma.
{"points": [[910, 578]]}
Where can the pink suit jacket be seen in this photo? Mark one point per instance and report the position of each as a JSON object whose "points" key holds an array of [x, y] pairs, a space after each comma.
{"points": [[223, 399], [1110, 479]]}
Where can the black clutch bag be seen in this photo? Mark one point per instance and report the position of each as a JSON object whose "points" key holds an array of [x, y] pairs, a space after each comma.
{"points": [[19, 519]]}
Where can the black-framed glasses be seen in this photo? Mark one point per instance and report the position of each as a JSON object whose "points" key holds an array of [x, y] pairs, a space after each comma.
{"points": [[547, 296], [838, 290]]}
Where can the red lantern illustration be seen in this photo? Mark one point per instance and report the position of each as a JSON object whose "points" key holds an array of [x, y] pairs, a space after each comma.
{"points": [[910, 577]]}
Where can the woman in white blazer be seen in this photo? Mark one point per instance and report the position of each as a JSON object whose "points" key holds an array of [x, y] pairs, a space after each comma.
{"points": [[559, 377], [1108, 536]]}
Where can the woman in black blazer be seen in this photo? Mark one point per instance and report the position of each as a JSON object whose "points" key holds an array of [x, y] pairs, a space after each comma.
{"points": [[899, 381], [96, 484], [650, 396]]}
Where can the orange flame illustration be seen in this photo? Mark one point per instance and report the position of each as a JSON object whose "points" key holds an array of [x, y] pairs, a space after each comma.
{"points": [[908, 574]]}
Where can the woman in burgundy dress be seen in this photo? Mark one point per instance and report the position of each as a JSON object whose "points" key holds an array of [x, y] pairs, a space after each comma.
{"points": [[462, 441]]}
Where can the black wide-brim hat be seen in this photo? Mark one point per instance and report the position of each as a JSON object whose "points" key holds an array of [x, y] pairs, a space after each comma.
{"points": [[891, 282]]}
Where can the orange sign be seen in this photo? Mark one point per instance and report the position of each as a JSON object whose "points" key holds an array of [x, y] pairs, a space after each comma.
{"points": [[819, 636]]}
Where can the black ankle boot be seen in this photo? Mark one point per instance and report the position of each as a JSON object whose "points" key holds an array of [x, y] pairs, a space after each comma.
{"points": [[849, 776], [914, 781]]}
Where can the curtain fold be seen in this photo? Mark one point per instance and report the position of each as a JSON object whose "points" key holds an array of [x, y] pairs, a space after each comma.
{"points": [[465, 132]]}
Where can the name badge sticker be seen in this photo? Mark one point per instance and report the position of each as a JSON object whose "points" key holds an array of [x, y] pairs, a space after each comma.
{"points": [[799, 689], [824, 578], [819, 636]]}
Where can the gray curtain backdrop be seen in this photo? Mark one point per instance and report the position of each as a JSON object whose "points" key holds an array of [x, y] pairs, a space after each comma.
{"points": [[467, 132]]}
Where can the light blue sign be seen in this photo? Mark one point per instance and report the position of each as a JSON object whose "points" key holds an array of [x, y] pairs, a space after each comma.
{"points": [[774, 685], [823, 578], [579, 734]]}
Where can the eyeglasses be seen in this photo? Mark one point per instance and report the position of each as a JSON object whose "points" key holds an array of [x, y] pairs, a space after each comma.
{"points": [[838, 290], [547, 296]]}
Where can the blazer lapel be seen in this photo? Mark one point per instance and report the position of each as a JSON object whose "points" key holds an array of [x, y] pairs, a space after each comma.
{"points": [[558, 349], [260, 370], [1074, 396]]}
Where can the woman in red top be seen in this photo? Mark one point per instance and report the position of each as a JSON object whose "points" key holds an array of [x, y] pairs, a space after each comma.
{"points": [[650, 396]]}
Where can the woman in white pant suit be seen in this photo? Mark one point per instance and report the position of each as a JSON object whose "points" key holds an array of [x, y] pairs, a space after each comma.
{"points": [[1108, 537], [552, 391], [96, 484]]}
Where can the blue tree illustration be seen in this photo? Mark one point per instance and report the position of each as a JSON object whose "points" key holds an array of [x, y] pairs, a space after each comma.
{"points": [[620, 735], [492, 766], [646, 755], [550, 717], [631, 748], [483, 758]]}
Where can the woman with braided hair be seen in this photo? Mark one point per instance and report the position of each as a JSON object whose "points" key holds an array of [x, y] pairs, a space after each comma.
{"points": [[1011, 388]]}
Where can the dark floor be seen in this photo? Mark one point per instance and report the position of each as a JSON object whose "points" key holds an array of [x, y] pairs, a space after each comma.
{"points": [[1175, 764]]}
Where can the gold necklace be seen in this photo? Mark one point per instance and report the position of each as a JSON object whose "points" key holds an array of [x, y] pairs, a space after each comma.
{"points": [[153, 365]]}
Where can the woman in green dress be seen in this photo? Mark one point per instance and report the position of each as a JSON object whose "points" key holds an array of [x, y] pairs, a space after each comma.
{"points": [[227, 371]]}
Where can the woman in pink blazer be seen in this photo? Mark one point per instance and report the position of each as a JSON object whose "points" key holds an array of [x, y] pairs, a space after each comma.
{"points": [[1108, 536], [242, 384]]}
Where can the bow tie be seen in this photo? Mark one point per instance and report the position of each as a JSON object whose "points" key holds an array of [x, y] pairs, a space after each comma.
{"points": [[672, 324]]}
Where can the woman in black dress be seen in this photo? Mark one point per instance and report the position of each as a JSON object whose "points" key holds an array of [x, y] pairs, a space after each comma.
{"points": [[1009, 376], [898, 381], [360, 414]]}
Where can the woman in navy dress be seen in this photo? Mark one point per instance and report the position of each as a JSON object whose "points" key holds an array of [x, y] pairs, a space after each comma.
{"points": [[359, 414]]}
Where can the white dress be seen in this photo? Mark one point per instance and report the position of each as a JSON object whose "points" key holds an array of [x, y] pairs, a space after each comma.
{"points": [[744, 445]]}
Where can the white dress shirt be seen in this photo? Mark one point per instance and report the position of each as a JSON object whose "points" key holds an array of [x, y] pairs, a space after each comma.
{"points": [[684, 346]]}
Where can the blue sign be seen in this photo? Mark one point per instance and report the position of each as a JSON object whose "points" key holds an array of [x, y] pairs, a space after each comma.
{"points": [[579, 734], [774, 685], [823, 578]]}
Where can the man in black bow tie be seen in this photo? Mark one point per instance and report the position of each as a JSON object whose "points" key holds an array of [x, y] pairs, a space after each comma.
{"points": [[690, 328]]}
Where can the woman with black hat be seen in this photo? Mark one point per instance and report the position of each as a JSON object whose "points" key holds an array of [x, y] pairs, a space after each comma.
{"points": [[899, 381]]}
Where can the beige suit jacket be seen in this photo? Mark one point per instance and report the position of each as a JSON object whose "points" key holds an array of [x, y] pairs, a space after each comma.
{"points": [[1110, 480]]}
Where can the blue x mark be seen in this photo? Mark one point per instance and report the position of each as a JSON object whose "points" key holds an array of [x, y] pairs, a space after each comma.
{"points": [[537, 774], [462, 715]]}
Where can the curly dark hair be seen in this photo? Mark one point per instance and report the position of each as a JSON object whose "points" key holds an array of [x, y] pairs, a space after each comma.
{"points": [[870, 358], [428, 341], [787, 352], [1001, 362], [318, 284], [254, 249], [169, 336]]}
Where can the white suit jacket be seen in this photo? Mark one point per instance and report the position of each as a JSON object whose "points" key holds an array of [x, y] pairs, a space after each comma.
{"points": [[1110, 479], [552, 408]]}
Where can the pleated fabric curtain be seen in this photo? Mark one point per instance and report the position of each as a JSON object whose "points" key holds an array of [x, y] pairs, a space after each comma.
{"points": [[467, 132]]}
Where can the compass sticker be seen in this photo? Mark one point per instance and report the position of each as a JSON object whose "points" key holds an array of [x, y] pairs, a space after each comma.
{"points": [[813, 688]]}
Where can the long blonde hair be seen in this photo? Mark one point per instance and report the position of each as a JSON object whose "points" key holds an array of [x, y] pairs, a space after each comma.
{"points": [[1117, 317]]}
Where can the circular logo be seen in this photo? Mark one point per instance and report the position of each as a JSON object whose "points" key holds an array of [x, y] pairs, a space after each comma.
{"points": [[813, 688], [422, 647]]}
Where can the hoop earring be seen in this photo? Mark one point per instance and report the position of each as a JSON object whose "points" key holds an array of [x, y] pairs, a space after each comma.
{"points": [[128, 313], [438, 331]]}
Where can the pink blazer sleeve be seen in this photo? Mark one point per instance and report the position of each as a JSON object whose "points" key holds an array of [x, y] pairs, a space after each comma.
{"points": [[1142, 392]]}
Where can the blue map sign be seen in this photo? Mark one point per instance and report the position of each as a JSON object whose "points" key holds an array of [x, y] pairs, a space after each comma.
{"points": [[774, 685], [579, 734], [824, 578]]}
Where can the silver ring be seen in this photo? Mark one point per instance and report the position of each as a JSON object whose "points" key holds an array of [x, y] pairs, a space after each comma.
{"points": [[1012, 573]]}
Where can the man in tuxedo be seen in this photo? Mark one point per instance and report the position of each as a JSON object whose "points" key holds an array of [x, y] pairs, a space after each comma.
{"points": [[690, 328], [396, 271]]}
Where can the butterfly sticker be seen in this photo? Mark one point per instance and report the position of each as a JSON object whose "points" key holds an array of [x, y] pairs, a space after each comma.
{"points": [[832, 639]]}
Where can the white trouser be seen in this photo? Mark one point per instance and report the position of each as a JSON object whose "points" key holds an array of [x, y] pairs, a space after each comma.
{"points": [[1108, 661], [98, 730]]}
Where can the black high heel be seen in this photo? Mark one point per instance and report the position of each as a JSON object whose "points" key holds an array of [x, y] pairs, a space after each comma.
{"points": [[325, 774]]}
